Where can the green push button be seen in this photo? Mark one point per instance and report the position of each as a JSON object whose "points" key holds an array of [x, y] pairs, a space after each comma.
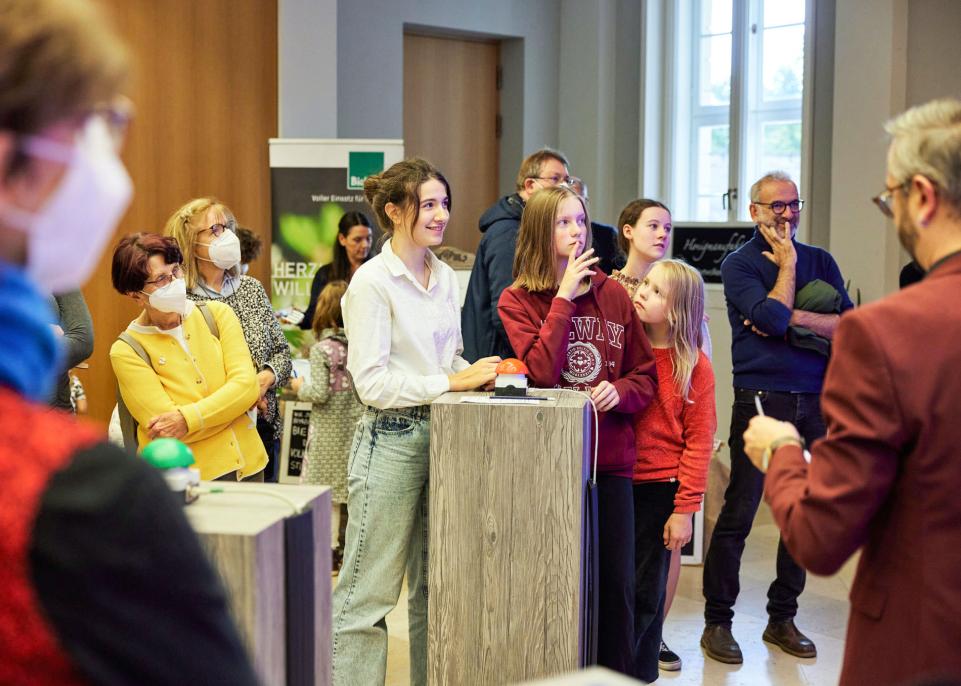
{"points": [[167, 453]]}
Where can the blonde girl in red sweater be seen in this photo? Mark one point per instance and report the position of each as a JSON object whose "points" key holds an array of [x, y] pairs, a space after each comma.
{"points": [[674, 438]]}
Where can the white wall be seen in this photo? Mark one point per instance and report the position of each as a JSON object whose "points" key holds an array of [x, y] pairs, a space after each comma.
{"points": [[307, 79], [370, 50], [933, 50], [600, 60], [869, 88], [341, 72]]}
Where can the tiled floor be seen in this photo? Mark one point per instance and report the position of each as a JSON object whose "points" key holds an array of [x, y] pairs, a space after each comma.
{"points": [[822, 616]]}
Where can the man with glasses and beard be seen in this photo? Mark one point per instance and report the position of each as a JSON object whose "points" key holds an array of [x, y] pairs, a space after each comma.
{"points": [[885, 480], [780, 353]]}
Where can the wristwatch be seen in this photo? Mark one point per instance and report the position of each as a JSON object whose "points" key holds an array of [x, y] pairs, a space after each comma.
{"points": [[774, 445]]}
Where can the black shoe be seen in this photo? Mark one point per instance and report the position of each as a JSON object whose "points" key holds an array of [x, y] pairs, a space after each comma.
{"points": [[719, 644], [789, 639], [337, 558], [668, 660]]}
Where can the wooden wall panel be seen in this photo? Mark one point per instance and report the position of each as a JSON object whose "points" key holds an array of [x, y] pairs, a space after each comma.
{"points": [[450, 112], [205, 93]]}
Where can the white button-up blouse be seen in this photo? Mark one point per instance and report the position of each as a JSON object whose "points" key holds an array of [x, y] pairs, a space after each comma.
{"points": [[403, 339]]}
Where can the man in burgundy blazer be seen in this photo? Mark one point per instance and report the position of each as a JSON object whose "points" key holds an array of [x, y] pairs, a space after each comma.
{"points": [[887, 478]]}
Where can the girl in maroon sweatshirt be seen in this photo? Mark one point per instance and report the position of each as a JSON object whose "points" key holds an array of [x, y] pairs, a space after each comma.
{"points": [[574, 328], [674, 439]]}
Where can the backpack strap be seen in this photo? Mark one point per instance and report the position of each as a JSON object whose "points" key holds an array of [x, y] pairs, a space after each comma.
{"points": [[128, 425], [209, 318]]}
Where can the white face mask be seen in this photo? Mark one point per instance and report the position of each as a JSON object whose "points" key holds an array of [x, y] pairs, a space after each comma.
{"points": [[224, 250], [67, 235], [172, 298]]}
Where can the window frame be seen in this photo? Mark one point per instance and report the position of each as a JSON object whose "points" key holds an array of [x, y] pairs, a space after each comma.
{"points": [[674, 61]]}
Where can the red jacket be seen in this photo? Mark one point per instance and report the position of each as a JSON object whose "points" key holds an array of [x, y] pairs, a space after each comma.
{"points": [[675, 438], [30, 650], [885, 480], [577, 345]]}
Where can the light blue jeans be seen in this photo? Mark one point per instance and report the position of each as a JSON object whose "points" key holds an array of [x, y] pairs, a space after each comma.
{"points": [[387, 494]]}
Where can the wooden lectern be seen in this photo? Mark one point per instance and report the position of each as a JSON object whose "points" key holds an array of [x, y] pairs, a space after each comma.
{"points": [[275, 565], [507, 563]]}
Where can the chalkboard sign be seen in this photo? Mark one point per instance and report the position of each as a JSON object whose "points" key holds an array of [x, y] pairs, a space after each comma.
{"points": [[293, 444], [705, 247]]}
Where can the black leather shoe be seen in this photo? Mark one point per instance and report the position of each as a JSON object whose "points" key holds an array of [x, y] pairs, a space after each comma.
{"points": [[719, 644], [788, 638]]}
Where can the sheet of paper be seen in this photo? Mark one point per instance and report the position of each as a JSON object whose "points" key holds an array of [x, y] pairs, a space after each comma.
{"points": [[515, 400]]}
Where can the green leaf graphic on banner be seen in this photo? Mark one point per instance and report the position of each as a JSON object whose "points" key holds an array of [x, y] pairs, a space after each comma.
{"points": [[301, 233], [311, 237], [330, 214]]}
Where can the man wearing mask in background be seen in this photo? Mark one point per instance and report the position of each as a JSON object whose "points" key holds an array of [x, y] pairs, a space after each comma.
{"points": [[493, 269], [885, 479], [766, 285], [104, 581]]}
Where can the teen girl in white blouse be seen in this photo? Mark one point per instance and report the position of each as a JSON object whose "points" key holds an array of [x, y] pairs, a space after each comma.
{"points": [[402, 317]]}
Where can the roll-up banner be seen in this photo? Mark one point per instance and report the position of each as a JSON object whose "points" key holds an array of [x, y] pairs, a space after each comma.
{"points": [[313, 182]]}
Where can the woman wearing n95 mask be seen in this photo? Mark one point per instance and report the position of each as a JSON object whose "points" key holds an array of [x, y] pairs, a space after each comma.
{"points": [[103, 578], [204, 228], [199, 383]]}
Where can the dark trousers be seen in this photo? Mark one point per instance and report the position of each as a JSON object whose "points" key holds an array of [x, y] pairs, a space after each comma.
{"points": [[653, 504], [615, 524], [743, 495], [266, 431]]}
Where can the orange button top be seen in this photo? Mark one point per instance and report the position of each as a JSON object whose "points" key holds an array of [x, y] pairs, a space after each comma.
{"points": [[511, 366]]}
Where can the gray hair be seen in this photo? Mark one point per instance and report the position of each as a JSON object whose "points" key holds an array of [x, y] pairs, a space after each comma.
{"points": [[926, 140], [770, 177]]}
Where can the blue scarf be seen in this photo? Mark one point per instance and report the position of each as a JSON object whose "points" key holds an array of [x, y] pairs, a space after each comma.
{"points": [[30, 352]]}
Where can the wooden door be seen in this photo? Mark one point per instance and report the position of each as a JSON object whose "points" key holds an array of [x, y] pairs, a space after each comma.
{"points": [[451, 105], [205, 95]]}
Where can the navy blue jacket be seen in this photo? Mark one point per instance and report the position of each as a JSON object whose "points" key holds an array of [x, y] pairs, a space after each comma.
{"points": [[605, 246], [770, 363], [492, 272]]}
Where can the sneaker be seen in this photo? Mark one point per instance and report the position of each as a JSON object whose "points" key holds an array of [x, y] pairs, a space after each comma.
{"points": [[668, 660]]}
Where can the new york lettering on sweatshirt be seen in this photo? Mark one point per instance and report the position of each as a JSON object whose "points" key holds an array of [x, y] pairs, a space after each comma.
{"points": [[579, 344], [584, 358]]}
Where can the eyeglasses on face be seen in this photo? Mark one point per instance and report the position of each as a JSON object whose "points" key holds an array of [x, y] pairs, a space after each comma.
{"points": [[778, 207], [117, 115], [884, 199], [555, 180], [217, 230], [165, 279]]}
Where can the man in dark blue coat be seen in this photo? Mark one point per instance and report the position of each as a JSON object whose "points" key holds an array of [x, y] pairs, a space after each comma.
{"points": [[761, 281], [493, 266]]}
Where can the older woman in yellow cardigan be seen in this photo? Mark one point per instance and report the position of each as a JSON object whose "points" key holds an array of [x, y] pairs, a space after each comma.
{"points": [[198, 383]]}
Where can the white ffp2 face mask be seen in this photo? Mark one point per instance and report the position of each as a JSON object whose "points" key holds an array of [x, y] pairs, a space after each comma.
{"points": [[172, 298], [224, 250], [67, 235]]}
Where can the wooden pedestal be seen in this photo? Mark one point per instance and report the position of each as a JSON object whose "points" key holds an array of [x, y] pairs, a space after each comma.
{"points": [[507, 486], [272, 563]]}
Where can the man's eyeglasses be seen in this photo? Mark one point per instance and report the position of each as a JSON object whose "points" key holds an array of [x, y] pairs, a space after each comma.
{"points": [[778, 207], [884, 198], [166, 279], [555, 180], [218, 229]]}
